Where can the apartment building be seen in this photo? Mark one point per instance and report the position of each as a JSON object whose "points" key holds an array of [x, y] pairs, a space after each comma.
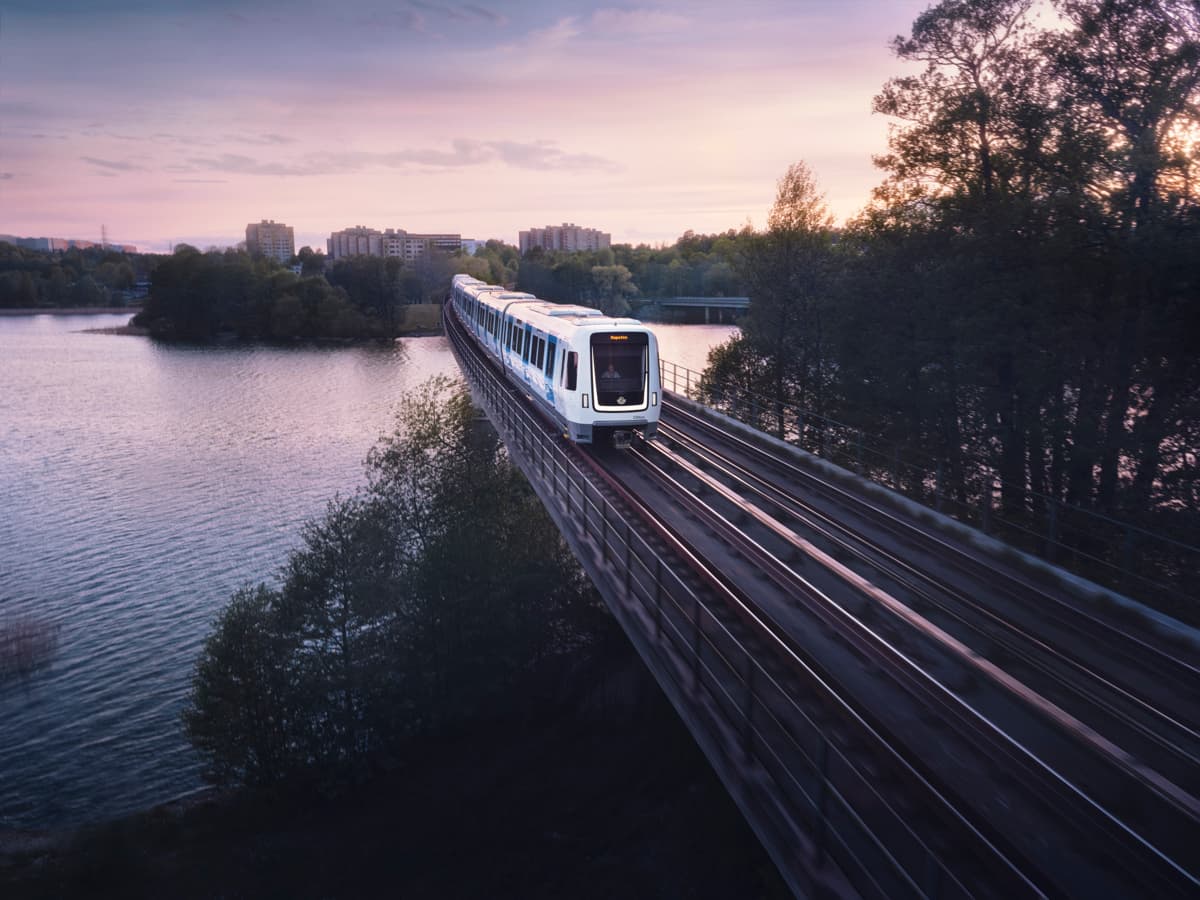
{"points": [[394, 242], [567, 236], [271, 238]]}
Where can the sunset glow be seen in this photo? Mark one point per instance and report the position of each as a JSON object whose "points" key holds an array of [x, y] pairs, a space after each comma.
{"points": [[181, 122]]}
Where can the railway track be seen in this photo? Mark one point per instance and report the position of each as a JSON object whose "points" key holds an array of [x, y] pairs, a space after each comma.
{"points": [[1141, 692], [1105, 772], [863, 760]]}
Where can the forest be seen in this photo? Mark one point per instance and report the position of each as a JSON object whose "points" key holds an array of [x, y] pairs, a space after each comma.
{"points": [[1011, 325], [34, 279], [200, 296]]}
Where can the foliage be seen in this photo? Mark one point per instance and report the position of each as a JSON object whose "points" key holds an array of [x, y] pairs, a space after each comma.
{"points": [[696, 266], [411, 609], [37, 279], [1019, 301], [198, 296]]}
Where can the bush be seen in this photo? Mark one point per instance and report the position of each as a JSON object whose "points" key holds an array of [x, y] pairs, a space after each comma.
{"points": [[411, 609]]}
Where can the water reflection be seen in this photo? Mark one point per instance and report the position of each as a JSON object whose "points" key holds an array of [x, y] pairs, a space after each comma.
{"points": [[142, 484]]}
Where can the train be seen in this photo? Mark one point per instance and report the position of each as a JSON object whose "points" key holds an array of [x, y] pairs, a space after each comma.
{"points": [[595, 375]]}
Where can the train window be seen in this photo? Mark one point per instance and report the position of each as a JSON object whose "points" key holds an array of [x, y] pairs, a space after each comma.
{"points": [[550, 360], [572, 370], [619, 366], [540, 359], [525, 344]]}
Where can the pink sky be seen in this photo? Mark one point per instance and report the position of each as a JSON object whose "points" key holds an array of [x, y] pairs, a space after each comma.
{"points": [[172, 121]]}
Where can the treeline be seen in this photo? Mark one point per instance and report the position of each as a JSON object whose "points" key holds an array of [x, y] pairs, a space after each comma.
{"points": [[419, 606], [1019, 306], [31, 279], [616, 278], [199, 296]]}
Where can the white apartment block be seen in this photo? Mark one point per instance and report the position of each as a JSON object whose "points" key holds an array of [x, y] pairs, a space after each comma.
{"points": [[567, 236], [271, 238], [395, 242]]}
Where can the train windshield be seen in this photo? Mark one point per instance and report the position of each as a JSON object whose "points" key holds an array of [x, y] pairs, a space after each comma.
{"points": [[619, 369]]}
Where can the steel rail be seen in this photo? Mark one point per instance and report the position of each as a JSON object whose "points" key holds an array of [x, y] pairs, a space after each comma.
{"points": [[1174, 666], [1122, 828], [765, 710], [1085, 681]]}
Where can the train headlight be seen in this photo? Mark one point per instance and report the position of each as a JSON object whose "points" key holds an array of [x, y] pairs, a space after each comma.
{"points": [[584, 400], [654, 398]]}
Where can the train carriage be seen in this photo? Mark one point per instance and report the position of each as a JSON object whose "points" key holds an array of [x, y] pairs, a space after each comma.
{"points": [[596, 375]]}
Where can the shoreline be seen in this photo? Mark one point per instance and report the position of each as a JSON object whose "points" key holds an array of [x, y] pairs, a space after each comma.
{"points": [[72, 311]]}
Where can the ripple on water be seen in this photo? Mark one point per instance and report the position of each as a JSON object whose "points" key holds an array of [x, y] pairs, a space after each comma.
{"points": [[141, 485]]}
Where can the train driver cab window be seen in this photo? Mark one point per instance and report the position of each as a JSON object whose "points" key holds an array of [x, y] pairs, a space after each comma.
{"points": [[619, 363]]}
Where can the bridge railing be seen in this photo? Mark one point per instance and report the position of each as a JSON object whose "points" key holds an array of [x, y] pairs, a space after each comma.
{"points": [[734, 682], [1116, 554]]}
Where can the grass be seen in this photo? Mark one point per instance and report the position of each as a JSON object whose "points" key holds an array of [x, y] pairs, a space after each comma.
{"points": [[421, 317]]}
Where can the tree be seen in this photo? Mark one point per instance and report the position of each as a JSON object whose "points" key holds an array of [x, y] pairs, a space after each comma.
{"points": [[787, 272], [244, 707], [612, 286], [411, 608]]}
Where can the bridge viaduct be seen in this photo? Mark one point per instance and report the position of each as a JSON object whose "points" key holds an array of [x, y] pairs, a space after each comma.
{"points": [[874, 749]]}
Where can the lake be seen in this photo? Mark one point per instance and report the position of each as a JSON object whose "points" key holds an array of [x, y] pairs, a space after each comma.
{"points": [[140, 485]]}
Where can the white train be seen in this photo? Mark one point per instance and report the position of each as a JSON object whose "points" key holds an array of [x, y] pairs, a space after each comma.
{"points": [[597, 376]]}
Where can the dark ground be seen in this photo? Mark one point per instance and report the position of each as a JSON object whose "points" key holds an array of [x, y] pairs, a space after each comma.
{"points": [[606, 797]]}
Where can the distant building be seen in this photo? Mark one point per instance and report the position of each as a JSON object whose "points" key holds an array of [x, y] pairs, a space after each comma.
{"points": [[567, 236], [395, 242], [61, 244], [272, 239]]}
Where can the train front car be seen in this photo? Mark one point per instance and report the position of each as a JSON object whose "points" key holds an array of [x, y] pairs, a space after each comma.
{"points": [[623, 370], [595, 375]]}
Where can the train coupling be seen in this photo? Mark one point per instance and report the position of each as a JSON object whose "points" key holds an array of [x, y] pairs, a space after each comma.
{"points": [[622, 439]]}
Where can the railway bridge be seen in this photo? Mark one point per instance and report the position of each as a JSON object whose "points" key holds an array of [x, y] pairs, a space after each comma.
{"points": [[897, 709]]}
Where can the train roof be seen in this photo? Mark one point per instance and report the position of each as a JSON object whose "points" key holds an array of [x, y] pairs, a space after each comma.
{"points": [[531, 306]]}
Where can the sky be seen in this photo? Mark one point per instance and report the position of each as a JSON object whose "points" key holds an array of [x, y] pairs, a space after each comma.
{"points": [[169, 122]]}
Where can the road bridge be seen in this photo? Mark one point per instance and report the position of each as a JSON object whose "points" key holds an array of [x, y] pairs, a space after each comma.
{"points": [[896, 713], [715, 310]]}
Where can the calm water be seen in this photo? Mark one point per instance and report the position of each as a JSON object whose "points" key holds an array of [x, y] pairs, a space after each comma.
{"points": [[140, 484]]}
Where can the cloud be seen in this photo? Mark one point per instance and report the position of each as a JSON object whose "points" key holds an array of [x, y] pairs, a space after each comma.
{"points": [[636, 21], [463, 152], [561, 32], [112, 166], [467, 12], [401, 19], [260, 139], [236, 164], [201, 181], [545, 156], [6, 176], [485, 14]]}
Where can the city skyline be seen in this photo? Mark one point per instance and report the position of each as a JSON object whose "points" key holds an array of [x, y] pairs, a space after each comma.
{"points": [[180, 122]]}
